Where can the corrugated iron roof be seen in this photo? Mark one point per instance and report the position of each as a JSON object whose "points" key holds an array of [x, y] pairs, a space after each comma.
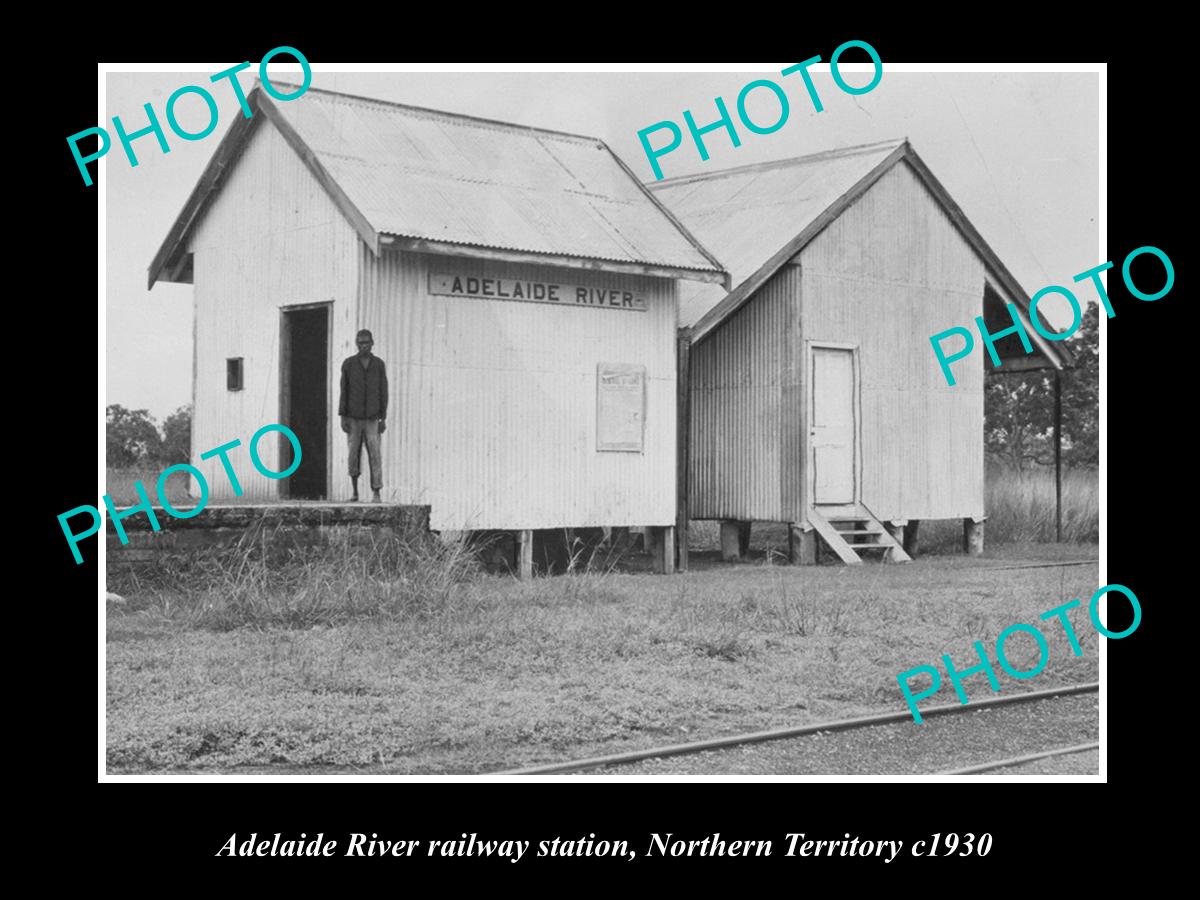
{"points": [[421, 173], [433, 176], [755, 218], [744, 215]]}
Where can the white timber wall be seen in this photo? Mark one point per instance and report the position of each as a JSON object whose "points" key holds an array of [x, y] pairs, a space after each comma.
{"points": [[888, 273], [492, 416], [271, 238]]}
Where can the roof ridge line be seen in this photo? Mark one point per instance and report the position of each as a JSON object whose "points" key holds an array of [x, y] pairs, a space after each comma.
{"points": [[780, 163], [479, 120]]}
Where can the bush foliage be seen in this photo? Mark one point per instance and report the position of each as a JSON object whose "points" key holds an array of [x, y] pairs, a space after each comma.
{"points": [[1019, 408], [132, 436]]}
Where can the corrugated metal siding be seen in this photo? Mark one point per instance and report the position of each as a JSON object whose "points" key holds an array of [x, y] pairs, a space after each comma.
{"points": [[746, 215], [271, 238], [493, 403], [885, 275], [427, 174], [744, 460]]}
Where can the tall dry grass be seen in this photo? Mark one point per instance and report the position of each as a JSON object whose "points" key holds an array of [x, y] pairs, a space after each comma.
{"points": [[1020, 510], [360, 572], [268, 579], [1020, 506]]}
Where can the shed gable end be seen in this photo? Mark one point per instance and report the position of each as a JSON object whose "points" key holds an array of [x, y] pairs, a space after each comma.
{"points": [[887, 273], [897, 232], [268, 192]]}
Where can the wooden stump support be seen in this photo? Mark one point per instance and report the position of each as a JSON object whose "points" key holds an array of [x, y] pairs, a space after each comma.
{"points": [[732, 541], [973, 536], [664, 555], [802, 544], [911, 540], [524, 548]]}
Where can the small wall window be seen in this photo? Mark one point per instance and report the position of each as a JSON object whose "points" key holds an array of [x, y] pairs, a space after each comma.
{"points": [[233, 373]]}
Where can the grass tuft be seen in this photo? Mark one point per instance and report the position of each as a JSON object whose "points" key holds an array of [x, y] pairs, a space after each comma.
{"points": [[362, 572]]}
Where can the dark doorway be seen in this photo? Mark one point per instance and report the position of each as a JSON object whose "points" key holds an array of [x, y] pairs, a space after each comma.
{"points": [[304, 399]]}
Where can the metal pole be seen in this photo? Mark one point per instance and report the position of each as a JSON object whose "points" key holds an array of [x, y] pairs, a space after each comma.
{"points": [[1058, 456]]}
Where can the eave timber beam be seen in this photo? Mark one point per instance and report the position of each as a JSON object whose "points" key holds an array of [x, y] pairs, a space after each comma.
{"points": [[424, 245]]}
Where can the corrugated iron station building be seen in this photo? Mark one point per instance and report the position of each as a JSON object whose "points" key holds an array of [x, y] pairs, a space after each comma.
{"points": [[814, 397], [520, 284]]}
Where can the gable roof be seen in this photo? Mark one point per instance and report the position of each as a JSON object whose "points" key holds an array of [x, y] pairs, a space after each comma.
{"points": [[755, 218], [442, 182]]}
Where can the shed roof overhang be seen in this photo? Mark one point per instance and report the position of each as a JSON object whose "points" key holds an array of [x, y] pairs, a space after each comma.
{"points": [[1013, 357]]}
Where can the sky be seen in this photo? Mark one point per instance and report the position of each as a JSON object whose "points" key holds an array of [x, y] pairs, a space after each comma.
{"points": [[1017, 151]]}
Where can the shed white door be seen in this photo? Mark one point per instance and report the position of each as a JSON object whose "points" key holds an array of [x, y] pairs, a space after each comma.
{"points": [[831, 431]]}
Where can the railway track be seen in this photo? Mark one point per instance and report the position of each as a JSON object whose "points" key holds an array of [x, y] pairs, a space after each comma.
{"points": [[1021, 760], [779, 734], [1049, 565]]}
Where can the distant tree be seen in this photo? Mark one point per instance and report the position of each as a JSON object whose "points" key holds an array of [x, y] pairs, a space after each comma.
{"points": [[1081, 395], [1019, 409], [1018, 415], [131, 436], [177, 437]]}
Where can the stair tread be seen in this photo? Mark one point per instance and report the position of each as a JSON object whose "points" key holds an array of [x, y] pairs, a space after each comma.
{"points": [[860, 524]]}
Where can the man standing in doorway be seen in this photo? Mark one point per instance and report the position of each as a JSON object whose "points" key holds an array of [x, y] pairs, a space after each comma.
{"points": [[362, 404]]}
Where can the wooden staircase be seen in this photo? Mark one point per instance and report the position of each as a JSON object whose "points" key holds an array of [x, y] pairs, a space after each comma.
{"points": [[850, 530]]}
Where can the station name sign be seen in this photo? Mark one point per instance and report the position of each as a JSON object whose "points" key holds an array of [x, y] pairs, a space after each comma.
{"points": [[534, 292]]}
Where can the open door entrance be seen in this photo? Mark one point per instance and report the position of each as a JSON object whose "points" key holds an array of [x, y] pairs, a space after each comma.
{"points": [[304, 399]]}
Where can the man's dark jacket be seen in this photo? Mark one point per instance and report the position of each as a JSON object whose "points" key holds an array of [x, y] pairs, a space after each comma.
{"points": [[364, 393]]}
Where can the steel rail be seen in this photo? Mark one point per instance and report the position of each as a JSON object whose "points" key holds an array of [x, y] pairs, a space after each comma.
{"points": [[1054, 565], [632, 756], [1019, 760]]}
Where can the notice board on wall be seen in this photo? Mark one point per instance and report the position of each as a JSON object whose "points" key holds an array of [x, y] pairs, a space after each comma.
{"points": [[620, 407]]}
